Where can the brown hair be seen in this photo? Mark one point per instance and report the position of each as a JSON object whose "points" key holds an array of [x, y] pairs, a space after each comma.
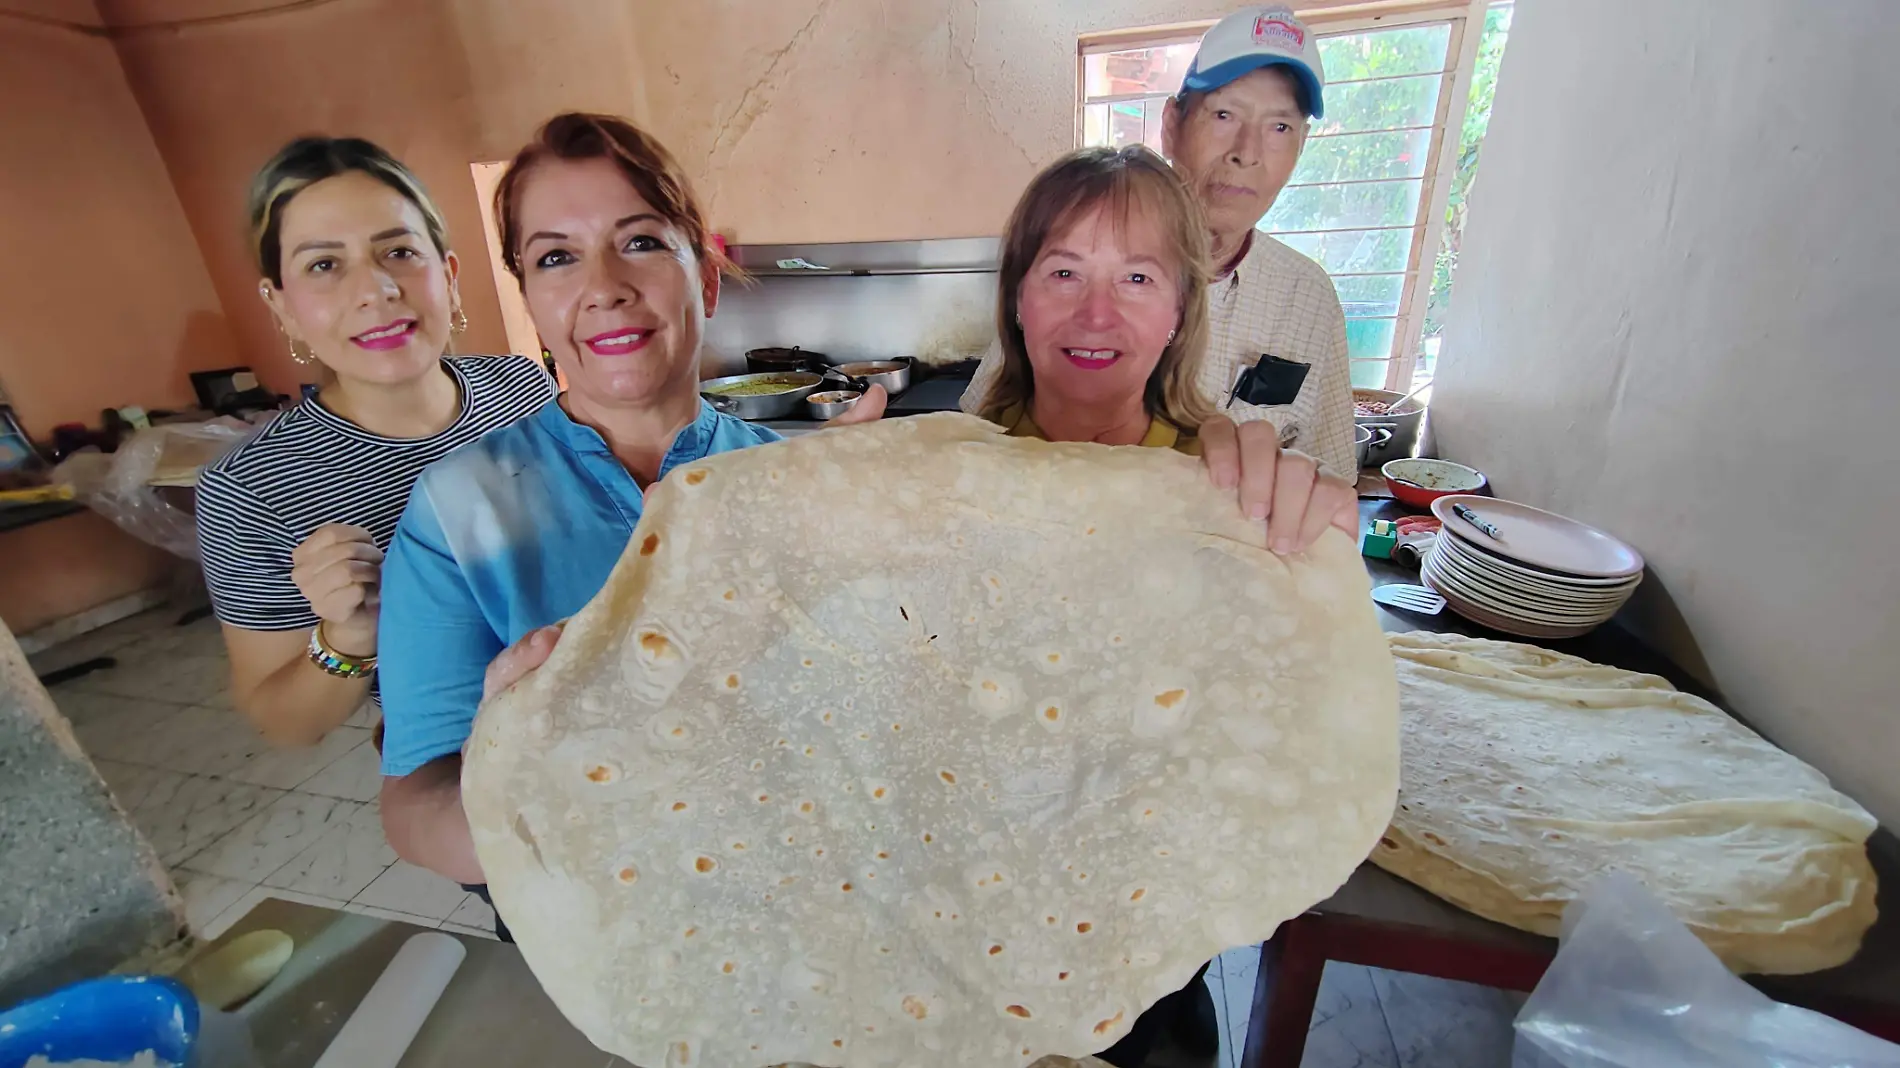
{"points": [[638, 155], [309, 160], [1123, 181]]}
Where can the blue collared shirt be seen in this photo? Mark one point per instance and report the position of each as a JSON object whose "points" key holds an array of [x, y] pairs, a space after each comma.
{"points": [[505, 535]]}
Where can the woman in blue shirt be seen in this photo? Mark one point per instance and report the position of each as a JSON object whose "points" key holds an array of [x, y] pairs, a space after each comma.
{"points": [[520, 528]]}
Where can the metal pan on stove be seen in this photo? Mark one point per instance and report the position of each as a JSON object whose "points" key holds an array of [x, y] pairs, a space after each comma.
{"points": [[767, 360], [776, 395], [893, 375]]}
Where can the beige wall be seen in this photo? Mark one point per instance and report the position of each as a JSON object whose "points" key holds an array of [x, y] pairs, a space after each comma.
{"points": [[441, 83], [804, 120], [221, 97], [104, 298], [857, 120], [1675, 318]]}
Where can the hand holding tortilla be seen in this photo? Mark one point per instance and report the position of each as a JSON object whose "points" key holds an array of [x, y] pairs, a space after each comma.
{"points": [[1280, 486]]}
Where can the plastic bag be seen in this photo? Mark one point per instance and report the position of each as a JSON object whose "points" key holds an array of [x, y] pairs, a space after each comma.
{"points": [[1632, 988], [118, 485]]}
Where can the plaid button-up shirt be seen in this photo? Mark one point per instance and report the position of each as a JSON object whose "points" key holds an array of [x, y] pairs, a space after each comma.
{"points": [[1275, 302]]}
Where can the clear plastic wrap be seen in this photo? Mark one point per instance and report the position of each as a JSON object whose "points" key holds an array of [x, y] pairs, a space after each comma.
{"points": [[1632, 988], [120, 485]]}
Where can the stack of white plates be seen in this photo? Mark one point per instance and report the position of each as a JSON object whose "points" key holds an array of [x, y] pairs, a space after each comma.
{"points": [[1546, 576]]}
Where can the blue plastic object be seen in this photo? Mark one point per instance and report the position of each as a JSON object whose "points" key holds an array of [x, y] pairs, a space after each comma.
{"points": [[111, 1019]]}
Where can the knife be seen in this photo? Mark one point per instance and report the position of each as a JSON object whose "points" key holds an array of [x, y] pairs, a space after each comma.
{"points": [[1471, 517]]}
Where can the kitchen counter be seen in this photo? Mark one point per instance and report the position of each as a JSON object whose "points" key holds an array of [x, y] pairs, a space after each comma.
{"points": [[493, 1012], [1380, 920]]}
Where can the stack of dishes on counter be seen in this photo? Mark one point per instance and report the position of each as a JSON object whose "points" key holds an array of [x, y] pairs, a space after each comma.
{"points": [[1543, 576]]}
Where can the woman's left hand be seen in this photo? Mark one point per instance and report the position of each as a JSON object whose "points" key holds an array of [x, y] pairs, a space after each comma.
{"points": [[1283, 488], [521, 658]]}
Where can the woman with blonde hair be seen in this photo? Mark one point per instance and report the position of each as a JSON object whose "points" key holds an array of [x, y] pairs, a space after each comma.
{"points": [[1103, 323], [1102, 317], [356, 269]]}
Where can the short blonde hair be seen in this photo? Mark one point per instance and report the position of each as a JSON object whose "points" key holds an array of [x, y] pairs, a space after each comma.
{"points": [[309, 160], [1124, 180]]}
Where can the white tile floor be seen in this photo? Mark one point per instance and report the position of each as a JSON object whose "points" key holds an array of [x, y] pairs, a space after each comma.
{"points": [[237, 822]]}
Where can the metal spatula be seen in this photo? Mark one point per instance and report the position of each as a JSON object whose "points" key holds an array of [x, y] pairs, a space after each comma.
{"points": [[1411, 598]]}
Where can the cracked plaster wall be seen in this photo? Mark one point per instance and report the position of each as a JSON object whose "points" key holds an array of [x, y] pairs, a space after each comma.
{"points": [[799, 120], [860, 120]]}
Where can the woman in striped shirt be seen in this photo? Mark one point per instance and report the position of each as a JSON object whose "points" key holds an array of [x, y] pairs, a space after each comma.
{"points": [[292, 524]]}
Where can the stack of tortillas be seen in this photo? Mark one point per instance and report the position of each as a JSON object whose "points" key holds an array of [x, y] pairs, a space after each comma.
{"points": [[1528, 773], [917, 744]]}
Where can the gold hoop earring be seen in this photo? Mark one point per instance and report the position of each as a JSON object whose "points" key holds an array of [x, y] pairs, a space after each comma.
{"points": [[458, 320], [300, 357]]}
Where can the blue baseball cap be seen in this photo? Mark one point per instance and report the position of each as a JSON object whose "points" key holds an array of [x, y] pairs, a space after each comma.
{"points": [[1256, 37]]}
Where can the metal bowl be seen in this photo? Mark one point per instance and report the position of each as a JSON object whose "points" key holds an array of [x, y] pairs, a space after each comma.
{"points": [[798, 385], [833, 404]]}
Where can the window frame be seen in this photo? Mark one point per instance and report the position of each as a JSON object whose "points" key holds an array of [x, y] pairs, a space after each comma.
{"points": [[1461, 56]]}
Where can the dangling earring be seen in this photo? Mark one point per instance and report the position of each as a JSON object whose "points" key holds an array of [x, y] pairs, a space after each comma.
{"points": [[301, 358], [1170, 337], [458, 322]]}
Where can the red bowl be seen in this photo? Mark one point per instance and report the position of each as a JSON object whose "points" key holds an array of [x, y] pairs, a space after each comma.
{"points": [[1435, 478]]}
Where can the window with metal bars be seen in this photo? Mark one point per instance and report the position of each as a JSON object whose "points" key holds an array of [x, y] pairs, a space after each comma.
{"points": [[1370, 195]]}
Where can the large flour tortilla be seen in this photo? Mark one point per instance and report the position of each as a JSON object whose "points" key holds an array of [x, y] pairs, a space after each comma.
{"points": [[1529, 773], [913, 744]]}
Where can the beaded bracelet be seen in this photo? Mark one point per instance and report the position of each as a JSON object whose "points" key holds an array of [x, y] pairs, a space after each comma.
{"points": [[335, 663]]}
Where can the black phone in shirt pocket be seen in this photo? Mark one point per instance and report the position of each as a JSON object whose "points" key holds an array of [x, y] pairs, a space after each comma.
{"points": [[1269, 382]]}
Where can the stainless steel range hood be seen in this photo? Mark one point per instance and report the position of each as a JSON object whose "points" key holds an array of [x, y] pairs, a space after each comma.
{"points": [[934, 300], [962, 255]]}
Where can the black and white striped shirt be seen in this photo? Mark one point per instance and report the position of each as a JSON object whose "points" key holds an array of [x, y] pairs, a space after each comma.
{"points": [[309, 466]]}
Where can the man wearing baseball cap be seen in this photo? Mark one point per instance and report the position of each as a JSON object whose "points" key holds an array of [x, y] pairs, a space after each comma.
{"points": [[1234, 134]]}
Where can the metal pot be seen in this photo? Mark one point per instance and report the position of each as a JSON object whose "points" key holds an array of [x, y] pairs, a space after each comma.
{"points": [[893, 375], [833, 404], [1403, 425], [790, 402], [1367, 438], [767, 360]]}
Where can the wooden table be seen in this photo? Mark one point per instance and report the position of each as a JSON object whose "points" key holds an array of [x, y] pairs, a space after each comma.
{"points": [[1380, 920]]}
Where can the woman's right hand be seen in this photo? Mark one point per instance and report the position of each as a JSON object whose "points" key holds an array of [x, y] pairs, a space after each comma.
{"points": [[338, 568]]}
